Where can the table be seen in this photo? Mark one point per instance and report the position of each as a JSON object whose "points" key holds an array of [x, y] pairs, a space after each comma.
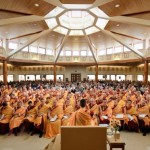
{"points": [[115, 144]]}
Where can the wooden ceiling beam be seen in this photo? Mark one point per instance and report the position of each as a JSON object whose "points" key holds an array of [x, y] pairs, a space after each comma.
{"points": [[18, 20], [61, 46], [16, 12], [21, 36], [30, 41], [90, 46], [128, 36], [129, 20]]}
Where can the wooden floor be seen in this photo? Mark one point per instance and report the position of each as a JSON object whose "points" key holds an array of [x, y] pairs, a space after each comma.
{"points": [[27, 142]]}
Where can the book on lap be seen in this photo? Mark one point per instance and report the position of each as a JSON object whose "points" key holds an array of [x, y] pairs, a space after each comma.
{"points": [[54, 118], [105, 117], [142, 115], [119, 116]]}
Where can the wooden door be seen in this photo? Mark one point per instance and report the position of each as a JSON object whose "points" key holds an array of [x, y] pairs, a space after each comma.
{"points": [[75, 77]]}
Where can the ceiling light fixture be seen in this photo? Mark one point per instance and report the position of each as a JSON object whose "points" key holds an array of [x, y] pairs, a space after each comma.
{"points": [[117, 5], [36, 5], [118, 25]]}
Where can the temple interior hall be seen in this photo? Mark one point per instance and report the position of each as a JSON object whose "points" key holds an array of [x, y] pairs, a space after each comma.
{"points": [[56, 53]]}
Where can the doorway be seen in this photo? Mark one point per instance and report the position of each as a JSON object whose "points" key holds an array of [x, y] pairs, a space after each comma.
{"points": [[75, 77]]}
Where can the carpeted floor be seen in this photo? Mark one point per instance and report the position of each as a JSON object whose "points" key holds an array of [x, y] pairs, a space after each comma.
{"points": [[26, 142]]}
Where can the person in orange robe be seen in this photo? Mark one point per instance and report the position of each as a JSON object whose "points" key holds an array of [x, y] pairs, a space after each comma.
{"points": [[6, 113], [144, 122], [68, 110], [17, 118], [130, 117], [31, 114], [105, 113], [82, 116], [94, 111], [40, 120], [53, 127]]}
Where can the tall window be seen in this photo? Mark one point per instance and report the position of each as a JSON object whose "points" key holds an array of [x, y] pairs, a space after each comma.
{"points": [[118, 49], [1, 42], [100, 77], [91, 77], [120, 77], [1, 78], [102, 52], [30, 77], [21, 78], [140, 77], [59, 77], [68, 53], [41, 50], [10, 78], [12, 45], [129, 77], [138, 46], [83, 53], [49, 77], [75, 53], [49, 52], [33, 49], [126, 49], [62, 53], [25, 49], [90, 53], [109, 51], [112, 77]]}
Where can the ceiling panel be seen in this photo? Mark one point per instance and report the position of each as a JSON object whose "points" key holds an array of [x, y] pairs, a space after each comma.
{"points": [[126, 7], [27, 6], [15, 30]]}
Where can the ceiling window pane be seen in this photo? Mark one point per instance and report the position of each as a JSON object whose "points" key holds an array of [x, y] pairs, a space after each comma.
{"points": [[41, 50], [126, 49], [75, 53], [83, 53], [138, 46], [109, 50], [49, 52], [13, 45], [68, 53], [33, 49], [102, 52], [118, 49]]}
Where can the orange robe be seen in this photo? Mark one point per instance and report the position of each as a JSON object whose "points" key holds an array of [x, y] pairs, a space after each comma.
{"points": [[18, 118], [95, 111], [7, 112], [53, 128], [31, 114], [42, 111], [80, 118], [144, 110], [68, 111]]}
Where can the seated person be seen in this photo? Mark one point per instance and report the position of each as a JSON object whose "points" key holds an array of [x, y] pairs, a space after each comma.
{"points": [[31, 114], [130, 117], [17, 118], [82, 116], [6, 113], [40, 120], [53, 125], [105, 113]]}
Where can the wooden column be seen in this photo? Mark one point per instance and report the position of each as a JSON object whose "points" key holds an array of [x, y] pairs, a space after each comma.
{"points": [[5, 72], [54, 69], [146, 72], [96, 73]]}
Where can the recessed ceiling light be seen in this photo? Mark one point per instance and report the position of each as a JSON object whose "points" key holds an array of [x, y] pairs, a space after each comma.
{"points": [[6, 32], [118, 25], [145, 33], [36, 5], [117, 5]]}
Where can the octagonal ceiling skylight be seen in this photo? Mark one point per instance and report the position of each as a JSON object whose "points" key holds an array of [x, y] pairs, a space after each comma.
{"points": [[76, 19]]}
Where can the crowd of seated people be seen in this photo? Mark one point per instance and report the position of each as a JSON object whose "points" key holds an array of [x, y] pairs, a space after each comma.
{"points": [[42, 107]]}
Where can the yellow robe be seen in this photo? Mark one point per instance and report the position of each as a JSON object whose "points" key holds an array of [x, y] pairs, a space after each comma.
{"points": [[53, 128]]}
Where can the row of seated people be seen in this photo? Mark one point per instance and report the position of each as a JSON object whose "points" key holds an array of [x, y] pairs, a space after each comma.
{"points": [[44, 111]]}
